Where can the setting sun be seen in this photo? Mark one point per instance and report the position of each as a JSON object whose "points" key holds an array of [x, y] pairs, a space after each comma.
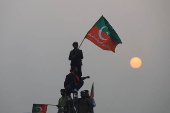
{"points": [[135, 62]]}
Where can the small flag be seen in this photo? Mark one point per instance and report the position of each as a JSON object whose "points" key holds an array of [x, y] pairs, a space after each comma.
{"points": [[103, 35], [92, 91], [39, 108]]}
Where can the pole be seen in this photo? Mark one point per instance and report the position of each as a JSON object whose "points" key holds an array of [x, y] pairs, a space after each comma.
{"points": [[49, 104], [73, 101], [82, 42]]}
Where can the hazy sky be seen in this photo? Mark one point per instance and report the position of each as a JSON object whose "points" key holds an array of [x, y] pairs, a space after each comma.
{"points": [[36, 37]]}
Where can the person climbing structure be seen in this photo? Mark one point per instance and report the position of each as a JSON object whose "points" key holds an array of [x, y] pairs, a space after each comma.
{"points": [[73, 82]]}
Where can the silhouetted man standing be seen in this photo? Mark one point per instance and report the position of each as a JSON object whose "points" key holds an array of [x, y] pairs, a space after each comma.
{"points": [[76, 56]]}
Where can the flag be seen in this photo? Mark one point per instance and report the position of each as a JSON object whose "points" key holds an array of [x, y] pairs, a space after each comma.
{"points": [[39, 108], [103, 35], [92, 91]]}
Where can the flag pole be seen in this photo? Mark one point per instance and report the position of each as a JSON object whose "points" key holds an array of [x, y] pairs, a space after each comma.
{"points": [[51, 105], [83, 39], [48, 104], [81, 42]]}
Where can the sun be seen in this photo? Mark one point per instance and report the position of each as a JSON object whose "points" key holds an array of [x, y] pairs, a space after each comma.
{"points": [[135, 62]]}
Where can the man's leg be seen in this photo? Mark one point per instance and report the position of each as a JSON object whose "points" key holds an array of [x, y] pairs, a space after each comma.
{"points": [[79, 71], [80, 84], [69, 90]]}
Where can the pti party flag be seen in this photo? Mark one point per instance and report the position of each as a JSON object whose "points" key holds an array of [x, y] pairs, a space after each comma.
{"points": [[103, 35], [39, 108], [92, 91]]}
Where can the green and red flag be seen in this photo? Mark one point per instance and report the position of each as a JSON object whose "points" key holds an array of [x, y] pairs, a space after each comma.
{"points": [[103, 35], [39, 108], [92, 91]]}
